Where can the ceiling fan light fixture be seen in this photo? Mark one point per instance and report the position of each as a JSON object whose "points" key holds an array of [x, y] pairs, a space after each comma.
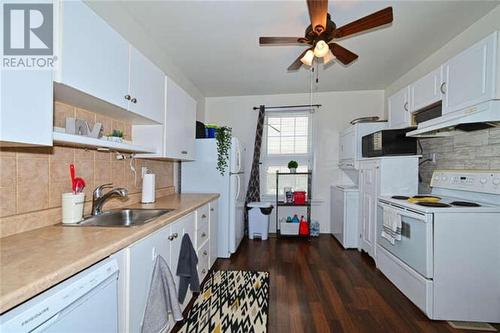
{"points": [[321, 49], [308, 58], [328, 57]]}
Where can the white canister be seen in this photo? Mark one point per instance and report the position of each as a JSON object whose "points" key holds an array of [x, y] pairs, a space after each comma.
{"points": [[72, 207]]}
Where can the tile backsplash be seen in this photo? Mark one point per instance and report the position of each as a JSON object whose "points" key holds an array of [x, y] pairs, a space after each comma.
{"points": [[478, 150], [32, 179]]}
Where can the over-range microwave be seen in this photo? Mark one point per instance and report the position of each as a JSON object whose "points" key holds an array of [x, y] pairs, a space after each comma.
{"points": [[388, 143]]}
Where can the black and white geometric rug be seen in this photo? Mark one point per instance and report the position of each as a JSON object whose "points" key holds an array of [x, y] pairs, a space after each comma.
{"points": [[231, 301]]}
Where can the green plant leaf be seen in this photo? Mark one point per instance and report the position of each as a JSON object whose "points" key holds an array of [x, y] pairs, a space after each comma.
{"points": [[223, 136]]}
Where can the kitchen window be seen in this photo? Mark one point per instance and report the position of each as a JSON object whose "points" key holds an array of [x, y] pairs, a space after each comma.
{"points": [[287, 136]]}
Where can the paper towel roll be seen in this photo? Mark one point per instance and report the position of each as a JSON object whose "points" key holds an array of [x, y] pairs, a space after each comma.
{"points": [[148, 188]]}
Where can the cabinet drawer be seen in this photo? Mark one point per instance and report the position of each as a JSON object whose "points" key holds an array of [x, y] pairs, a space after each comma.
{"points": [[202, 235], [203, 261], [202, 217]]}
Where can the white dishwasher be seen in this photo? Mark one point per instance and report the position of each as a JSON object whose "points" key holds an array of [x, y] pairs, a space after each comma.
{"points": [[86, 302]]}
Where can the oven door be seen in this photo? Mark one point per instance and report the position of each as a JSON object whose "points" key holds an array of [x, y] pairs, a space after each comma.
{"points": [[416, 246]]}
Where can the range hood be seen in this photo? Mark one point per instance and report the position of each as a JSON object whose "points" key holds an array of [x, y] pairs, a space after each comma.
{"points": [[477, 117]]}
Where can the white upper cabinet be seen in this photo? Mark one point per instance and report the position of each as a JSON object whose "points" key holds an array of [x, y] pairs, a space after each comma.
{"points": [[426, 91], [175, 139], [94, 58], [398, 107], [180, 123], [97, 61], [348, 145], [470, 77], [147, 87], [26, 107]]}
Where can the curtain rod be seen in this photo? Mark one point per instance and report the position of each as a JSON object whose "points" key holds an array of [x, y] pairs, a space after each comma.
{"points": [[287, 106]]}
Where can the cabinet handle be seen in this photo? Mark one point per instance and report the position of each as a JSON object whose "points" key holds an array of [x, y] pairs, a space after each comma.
{"points": [[406, 106], [127, 97], [211, 209], [171, 237], [203, 216], [443, 88], [184, 152], [205, 253], [175, 235], [203, 234], [134, 100]]}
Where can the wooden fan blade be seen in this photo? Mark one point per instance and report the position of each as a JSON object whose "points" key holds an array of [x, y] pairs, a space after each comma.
{"points": [[281, 40], [342, 54], [318, 10], [297, 63], [371, 21]]}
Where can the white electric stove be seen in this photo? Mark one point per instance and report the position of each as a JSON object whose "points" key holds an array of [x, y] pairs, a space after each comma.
{"points": [[448, 258]]}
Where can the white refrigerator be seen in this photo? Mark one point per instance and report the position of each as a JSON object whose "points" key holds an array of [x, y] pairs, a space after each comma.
{"points": [[201, 176]]}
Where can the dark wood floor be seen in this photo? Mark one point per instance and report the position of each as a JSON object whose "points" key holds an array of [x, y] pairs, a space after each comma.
{"points": [[317, 286]]}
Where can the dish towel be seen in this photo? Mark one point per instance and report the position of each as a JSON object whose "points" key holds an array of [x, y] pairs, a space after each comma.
{"points": [[391, 228], [162, 300], [186, 269]]}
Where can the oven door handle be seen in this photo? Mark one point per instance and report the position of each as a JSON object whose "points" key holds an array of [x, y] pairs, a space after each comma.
{"points": [[404, 212]]}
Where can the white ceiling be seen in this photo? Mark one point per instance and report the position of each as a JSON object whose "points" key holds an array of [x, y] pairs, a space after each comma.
{"points": [[215, 43]]}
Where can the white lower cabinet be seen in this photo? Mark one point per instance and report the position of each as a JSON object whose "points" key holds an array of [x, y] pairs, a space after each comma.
{"points": [[136, 265], [203, 240], [382, 176], [214, 217]]}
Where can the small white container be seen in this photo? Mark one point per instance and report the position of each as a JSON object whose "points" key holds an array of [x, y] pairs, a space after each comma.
{"points": [[72, 207], [291, 229]]}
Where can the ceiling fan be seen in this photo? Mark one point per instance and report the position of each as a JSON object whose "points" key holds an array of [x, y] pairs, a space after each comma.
{"points": [[323, 30]]}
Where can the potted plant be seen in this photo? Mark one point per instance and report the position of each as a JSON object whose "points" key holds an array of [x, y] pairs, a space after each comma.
{"points": [[223, 138], [292, 165]]}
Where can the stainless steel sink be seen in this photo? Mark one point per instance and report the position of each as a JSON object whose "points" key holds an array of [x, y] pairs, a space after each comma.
{"points": [[123, 217]]}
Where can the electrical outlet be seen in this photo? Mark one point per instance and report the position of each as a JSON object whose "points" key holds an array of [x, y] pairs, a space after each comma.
{"points": [[144, 170]]}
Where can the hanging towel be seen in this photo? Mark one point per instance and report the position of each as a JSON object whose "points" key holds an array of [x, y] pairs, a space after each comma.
{"points": [[186, 268], [391, 227], [162, 300]]}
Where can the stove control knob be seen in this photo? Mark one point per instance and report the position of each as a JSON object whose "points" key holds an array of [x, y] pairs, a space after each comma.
{"points": [[444, 178], [483, 180], [496, 181]]}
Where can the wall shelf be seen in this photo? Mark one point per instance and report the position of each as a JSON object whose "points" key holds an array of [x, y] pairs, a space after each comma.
{"points": [[86, 142]]}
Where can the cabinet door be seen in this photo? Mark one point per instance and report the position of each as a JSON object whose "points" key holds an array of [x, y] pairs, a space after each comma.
{"points": [[347, 146], [426, 91], [180, 123], [213, 221], [177, 230], [142, 256], [147, 87], [189, 128], [94, 57], [469, 77], [398, 106], [26, 107], [368, 204]]}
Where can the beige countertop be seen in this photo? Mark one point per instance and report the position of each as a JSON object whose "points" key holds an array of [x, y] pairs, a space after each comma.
{"points": [[33, 261]]}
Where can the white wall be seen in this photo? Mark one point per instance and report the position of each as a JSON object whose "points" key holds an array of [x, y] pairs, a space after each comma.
{"points": [[338, 108], [480, 29]]}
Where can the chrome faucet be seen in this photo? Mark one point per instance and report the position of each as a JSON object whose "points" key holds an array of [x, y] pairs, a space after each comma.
{"points": [[98, 199]]}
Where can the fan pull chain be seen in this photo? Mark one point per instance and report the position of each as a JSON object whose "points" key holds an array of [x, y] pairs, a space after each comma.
{"points": [[317, 74]]}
